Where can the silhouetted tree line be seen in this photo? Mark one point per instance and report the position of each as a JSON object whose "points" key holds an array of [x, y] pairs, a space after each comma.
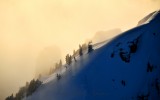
{"points": [[69, 57], [79, 52], [10, 97], [82, 48], [25, 91], [31, 87]]}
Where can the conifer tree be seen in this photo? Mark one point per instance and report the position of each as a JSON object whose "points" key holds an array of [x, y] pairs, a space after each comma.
{"points": [[68, 59], [80, 50], [60, 63], [90, 47], [74, 53]]}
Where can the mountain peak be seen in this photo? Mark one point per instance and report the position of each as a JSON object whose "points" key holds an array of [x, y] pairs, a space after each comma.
{"points": [[154, 16], [126, 67]]}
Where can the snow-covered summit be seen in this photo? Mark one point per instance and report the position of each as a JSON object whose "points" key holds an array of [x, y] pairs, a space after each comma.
{"points": [[151, 17], [125, 68]]}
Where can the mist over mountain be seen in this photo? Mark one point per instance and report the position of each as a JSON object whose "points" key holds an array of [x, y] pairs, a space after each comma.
{"points": [[47, 59], [126, 67], [29, 26], [105, 35]]}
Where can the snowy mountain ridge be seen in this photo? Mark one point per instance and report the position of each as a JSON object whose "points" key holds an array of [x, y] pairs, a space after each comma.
{"points": [[125, 68], [149, 18]]}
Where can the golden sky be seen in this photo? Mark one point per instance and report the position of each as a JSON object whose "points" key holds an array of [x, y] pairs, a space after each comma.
{"points": [[29, 26], [66, 23]]}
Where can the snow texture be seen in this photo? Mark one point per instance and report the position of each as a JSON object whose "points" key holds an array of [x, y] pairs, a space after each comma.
{"points": [[124, 68]]}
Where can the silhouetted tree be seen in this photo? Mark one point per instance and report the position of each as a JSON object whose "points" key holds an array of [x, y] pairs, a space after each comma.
{"points": [[68, 59], [38, 83], [56, 66], [27, 84], [60, 63], [27, 90], [80, 50], [74, 58], [21, 93], [66, 66], [33, 86], [10, 97], [50, 70], [74, 53], [58, 76], [90, 47]]}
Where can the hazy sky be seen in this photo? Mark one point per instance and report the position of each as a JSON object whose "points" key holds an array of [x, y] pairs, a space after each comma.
{"points": [[29, 26]]}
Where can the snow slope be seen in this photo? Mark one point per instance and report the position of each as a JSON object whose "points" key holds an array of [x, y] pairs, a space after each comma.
{"points": [[125, 68], [147, 18]]}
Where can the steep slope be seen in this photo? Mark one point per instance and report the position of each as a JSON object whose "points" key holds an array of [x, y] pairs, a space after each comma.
{"points": [[125, 68], [145, 19]]}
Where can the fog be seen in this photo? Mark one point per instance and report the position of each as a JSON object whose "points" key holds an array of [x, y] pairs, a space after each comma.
{"points": [[28, 27]]}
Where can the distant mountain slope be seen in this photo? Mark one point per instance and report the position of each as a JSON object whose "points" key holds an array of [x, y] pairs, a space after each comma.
{"points": [[125, 68], [105, 35]]}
